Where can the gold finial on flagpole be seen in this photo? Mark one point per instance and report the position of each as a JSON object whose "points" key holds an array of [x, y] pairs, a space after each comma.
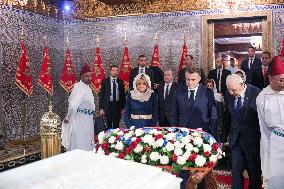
{"points": [[98, 41], [156, 38], [22, 33], [184, 37], [67, 40], [44, 39], [125, 39]]}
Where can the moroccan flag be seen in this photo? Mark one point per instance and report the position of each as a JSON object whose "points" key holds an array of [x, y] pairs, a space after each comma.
{"points": [[23, 74], [98, 72], [155, 57], [125, 69], [68, 76], [184, 53], [45, 76]]}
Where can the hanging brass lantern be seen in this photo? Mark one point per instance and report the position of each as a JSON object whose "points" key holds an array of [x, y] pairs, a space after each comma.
{"points": [[50, 132]]}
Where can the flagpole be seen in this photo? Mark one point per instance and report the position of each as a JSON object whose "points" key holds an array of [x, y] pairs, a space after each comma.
{"points": [[24, 109]]}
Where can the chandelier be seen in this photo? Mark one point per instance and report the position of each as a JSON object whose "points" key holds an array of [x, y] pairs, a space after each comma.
{"points": [[231, 5]]}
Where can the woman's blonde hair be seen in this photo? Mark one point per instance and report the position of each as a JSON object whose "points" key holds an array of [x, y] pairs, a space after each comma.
{"points": [[143, 78]]}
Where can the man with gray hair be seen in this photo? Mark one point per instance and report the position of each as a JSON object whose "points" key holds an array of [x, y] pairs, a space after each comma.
{"points": [[241, 121]]}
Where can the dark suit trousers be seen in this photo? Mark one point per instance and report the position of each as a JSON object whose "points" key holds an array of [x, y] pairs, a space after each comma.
{"points": [[163, 122], [240, 157], [113, 115]]}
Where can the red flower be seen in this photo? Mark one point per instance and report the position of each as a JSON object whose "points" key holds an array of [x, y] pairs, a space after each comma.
{"points": [[138, 140], [215, 146], [133, 144], [211, 164], [158, 136], [128, 150], [97, 147], [121, 155], [174, 157], [206, 153], [104, 146], [192, 157], [117, 137]]}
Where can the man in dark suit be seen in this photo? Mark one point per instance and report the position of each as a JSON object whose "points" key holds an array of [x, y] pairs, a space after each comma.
{"points": [[112, 98], [250, 64], [142, 68], [158, 76], [194, 107], [260, 76], [219, 75], [188, 61], [166, 92], [241, 121]]}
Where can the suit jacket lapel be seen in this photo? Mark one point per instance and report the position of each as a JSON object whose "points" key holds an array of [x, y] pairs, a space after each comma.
{"points": [[186, 98], [246, 100], [198, 95]]}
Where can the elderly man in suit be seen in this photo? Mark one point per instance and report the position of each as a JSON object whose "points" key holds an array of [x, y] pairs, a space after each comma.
{"points": [[250, 64], [166, 92], [112, 98], [219, 75], [142, 68], [260, 76], [241, 121], [194, 107]]}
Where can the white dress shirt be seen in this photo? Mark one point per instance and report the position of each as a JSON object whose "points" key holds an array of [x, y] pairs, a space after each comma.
{"points": [[165, 88], [195, 91], [111, 89], [141, 69], [242, 96]]}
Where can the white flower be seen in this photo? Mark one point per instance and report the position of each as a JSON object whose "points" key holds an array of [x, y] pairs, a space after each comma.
{"points": [[178, 144], [101, 137], [144, 159], [169, 147], [181, 160], [186, 154], [132, 128], [119, 145], [184, 129], [213, 158], [101, 151], [120, 133], [189, 147], [196, 134], [138, 148], [164, 160], [154, 156], [111, 139], [207, 148], [178, 151], [200, 161], [171, 136], [153, 131], [113, 154], [160, 142], [198, 141], [112, 146], [115, 130], [133, 139], [139, 132], [195, 149], [185, 140], [148, 139]]}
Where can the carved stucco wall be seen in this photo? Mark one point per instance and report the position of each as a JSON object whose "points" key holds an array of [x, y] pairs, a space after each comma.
{"points": [[140, 32]]}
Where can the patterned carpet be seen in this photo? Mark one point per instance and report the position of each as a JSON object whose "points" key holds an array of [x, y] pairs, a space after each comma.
{"points": [[224, 179]]}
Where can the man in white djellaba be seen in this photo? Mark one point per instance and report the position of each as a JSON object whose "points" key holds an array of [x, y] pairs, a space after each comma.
{"points": [[78, 126], [270, 107]]}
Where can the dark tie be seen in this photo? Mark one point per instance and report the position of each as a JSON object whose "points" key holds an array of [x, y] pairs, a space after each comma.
{"points": [[218, 80], [113, 90], [141, 70], [250, 63], [167, 92], [239, 107], [191, 98]]}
